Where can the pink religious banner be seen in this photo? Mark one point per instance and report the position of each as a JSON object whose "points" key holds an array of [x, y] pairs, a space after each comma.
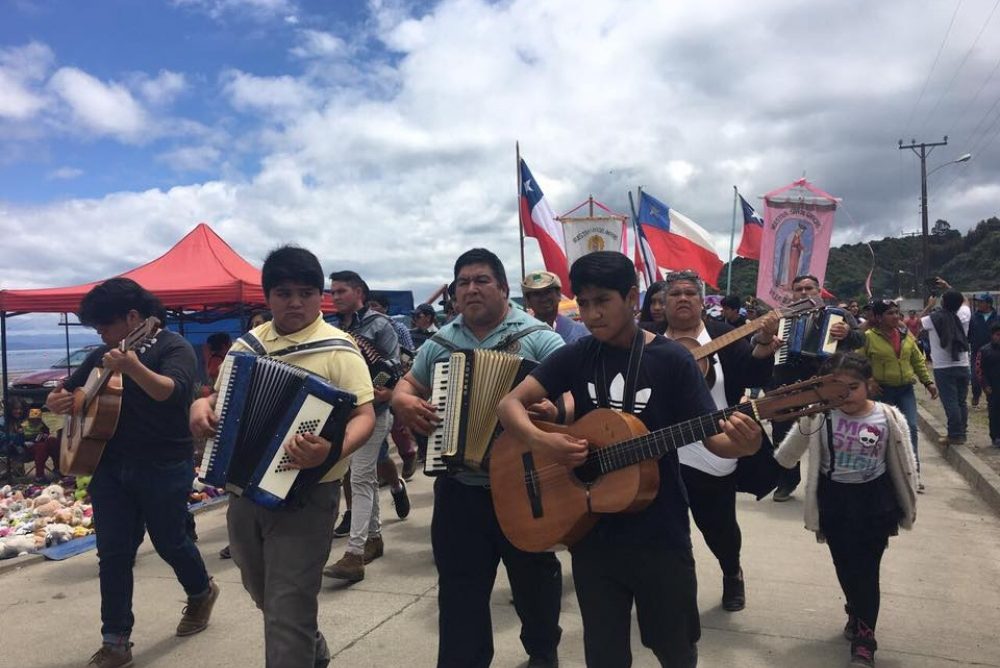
{"points": [[798, 223]]}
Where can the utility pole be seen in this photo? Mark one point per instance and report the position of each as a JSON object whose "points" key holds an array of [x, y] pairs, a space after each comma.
{"points": [[925, 150]]}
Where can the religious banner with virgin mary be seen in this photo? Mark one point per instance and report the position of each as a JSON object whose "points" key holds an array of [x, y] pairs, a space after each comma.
{"points": [[798, 224]]}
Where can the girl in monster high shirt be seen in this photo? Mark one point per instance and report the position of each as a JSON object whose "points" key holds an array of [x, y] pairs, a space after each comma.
{"points": [[861, 488]]}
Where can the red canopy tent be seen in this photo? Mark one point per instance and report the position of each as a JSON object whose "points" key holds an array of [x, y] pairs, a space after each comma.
{"points": [[200, 271]]}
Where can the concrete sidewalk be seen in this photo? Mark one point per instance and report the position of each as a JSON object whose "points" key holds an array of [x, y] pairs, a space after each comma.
{"points": [[940, 598]]}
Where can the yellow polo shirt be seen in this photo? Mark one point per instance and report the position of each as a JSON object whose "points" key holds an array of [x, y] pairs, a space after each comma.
{"points": [[344, 368]]}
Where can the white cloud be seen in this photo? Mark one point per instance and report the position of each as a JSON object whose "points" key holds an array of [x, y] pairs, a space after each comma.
{"points": [[396, 163], [192, 158], [65, 173], [257, 9], [318, 44], [162, 89], [21, 70], [105, 109], [280, 96]]}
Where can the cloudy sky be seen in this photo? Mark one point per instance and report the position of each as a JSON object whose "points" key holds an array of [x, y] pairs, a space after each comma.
{"points": [[381, 135]]}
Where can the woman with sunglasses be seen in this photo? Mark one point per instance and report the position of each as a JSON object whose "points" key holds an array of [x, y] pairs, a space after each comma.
{"points": [[897, 363]]}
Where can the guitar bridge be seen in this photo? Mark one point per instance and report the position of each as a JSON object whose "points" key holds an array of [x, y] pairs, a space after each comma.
{"points": [[532, 485]]}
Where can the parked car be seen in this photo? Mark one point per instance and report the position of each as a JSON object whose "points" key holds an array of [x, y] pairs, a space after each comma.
{"points": [[34, 386]]}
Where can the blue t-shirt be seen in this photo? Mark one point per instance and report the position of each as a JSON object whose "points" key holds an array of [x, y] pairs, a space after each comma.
{"points": [[670, 389]]}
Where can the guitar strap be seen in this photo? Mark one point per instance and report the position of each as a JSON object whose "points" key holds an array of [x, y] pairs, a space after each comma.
{"points": [[631, 374]]}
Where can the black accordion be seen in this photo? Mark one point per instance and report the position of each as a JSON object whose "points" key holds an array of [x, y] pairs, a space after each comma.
{"points": [[385, 372], [262, 403], [466, 390]]}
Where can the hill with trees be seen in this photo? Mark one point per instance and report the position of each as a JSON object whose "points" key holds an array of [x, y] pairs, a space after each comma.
{"points": [[970, 263]]}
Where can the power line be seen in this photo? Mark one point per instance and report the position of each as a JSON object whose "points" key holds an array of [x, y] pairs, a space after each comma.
{"points": [[965, 58], [920, 97]]}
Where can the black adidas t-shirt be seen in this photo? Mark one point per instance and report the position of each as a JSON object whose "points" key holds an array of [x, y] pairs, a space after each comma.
{"points": [[151, 430], [670, 389]]}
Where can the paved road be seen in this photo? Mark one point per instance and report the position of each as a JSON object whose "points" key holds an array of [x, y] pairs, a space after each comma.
{"points": [[940, 598]]}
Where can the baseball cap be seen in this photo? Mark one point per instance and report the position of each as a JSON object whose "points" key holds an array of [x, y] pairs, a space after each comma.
{"points": [[540, 280], [423, 309], [35, 413], [983, 297]]}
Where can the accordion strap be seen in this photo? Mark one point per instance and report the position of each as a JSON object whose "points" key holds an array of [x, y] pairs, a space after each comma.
{"points": [[256, 346], [504, 342]]}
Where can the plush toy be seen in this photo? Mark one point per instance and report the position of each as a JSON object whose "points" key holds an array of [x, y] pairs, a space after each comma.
{"points": [[11, 546], [56, 534]]}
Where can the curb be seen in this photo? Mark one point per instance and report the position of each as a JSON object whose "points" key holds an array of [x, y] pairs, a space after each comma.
{"points": [[28, 560], [980, 477]]}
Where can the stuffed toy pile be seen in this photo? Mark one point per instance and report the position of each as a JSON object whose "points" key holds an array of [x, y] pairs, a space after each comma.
{"points": [[37, 517]]}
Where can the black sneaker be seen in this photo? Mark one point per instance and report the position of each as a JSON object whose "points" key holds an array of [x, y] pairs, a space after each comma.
{"points": [[409, 467], [401, 500], [344, 528], [783, 494], [224, 553], [734, 595]]}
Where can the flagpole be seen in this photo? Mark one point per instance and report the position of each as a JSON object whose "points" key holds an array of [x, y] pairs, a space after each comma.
{"points": [[732, 237], [520, 223], [638, 241]]}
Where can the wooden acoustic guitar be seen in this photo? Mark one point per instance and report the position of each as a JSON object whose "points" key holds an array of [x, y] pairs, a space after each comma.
{"points": [[96, 409], [702, 352], [541, 503]]}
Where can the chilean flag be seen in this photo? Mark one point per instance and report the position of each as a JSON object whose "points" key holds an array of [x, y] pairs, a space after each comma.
{"points": [[677, 241], [539, 222], [753, 230]]}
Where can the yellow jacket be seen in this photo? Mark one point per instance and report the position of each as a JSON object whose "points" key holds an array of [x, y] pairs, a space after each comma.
{"points": [[890, 370]]}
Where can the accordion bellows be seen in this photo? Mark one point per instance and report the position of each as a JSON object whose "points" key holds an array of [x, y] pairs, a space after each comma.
{"points": [[262, 403]]}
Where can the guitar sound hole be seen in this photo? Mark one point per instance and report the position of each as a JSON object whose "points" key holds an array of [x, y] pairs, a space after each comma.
{"points": [[587, 473]]}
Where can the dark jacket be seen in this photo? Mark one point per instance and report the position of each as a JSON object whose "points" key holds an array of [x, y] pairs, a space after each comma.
{"points": [[979, 329], [988, 366]]}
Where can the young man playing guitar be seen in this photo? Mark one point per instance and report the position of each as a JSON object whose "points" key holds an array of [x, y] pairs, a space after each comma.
{"points": [[645, 557], [144, 477]]}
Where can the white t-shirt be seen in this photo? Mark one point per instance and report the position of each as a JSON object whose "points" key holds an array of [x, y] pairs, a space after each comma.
{"points": [[696, 455], [941, 358]]}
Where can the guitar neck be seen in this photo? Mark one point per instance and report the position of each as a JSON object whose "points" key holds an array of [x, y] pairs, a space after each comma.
{"points": [[721, 342], [658, 443]]}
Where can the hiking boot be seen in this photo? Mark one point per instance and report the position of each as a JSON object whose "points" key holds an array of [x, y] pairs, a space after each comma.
{"points": [[344, 528], [112, 656], [198, 611], [409, 467], [734, 595], [783, 494], [374, 548], [862, 657], [863, 646], [401, 500], [852, 624], [351, 567]]}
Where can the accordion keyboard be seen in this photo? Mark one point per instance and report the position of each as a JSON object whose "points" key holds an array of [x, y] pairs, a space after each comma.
{"points": [[434, 463], [785, 328]]}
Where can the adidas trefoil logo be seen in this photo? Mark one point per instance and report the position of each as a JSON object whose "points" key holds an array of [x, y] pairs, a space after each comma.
{"points": [[617, 391]]}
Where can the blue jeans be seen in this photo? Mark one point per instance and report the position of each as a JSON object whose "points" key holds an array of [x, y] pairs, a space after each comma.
{"points": [[953, 386], [131, 498], [905, 399]]}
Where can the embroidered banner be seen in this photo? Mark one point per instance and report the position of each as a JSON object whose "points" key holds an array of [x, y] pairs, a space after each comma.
{"points": [[798, 224]]}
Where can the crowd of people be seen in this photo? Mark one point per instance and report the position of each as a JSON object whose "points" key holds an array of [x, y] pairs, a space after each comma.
{"points": [[624, 355]]}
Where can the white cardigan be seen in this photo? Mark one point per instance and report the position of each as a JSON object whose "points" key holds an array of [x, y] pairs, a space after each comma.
{"points": [[901, 465]]}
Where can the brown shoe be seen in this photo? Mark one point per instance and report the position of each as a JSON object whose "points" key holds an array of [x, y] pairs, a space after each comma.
{"points": [[374, 548], [198, 611], [112, 657], [351, 567]]}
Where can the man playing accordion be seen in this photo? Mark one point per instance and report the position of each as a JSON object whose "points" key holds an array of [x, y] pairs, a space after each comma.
{"points": [[281, 553]]}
